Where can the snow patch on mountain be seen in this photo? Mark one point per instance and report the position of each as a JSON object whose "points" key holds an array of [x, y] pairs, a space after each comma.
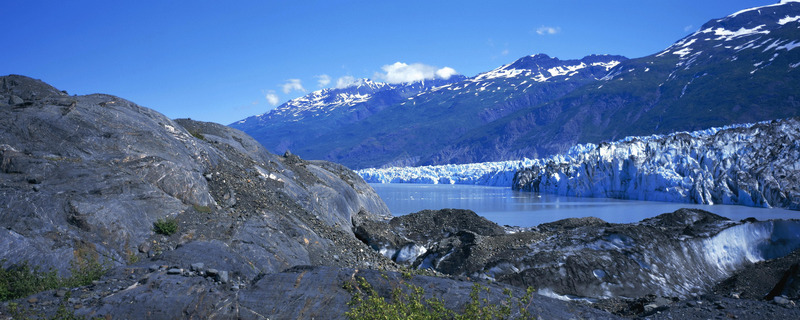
{"points": [[540, 73], [788, 46], [762, 7], [788, 19], [326, 100], [735, 33], [728, 35]]}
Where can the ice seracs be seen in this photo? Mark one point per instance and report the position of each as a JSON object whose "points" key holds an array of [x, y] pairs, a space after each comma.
{"points": [[487, 173], [752, 165], [748, 164]]}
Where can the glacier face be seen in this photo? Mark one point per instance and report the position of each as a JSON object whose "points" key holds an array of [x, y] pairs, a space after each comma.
{"points": [[750, 164], [497, 173], [755, 165], [486, 173]]}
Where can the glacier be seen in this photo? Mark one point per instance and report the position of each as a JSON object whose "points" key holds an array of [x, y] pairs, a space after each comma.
{"points": [[754, 164], [499, 173]]}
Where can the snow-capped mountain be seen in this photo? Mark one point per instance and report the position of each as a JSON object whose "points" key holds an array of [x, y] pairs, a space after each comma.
{"points": [[305, 119], [762, 37], [325, 101], [541, 68], [331, 124], [743, 68], [528, 80]]}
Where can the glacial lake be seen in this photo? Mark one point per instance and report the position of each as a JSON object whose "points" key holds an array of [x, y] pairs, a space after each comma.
{"points": [[525, 209]]}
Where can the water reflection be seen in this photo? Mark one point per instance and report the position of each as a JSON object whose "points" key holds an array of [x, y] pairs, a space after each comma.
{"points": [[508, 207]]}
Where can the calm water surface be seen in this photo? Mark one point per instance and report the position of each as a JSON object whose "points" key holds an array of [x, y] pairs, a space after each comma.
{"points": [[507, 207]]}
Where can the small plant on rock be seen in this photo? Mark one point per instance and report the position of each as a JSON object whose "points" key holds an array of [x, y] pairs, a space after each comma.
{"points": [[24, 279], [407, 301], [166, 226], [197, 135]]}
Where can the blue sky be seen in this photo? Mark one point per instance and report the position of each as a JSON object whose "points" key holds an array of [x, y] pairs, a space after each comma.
{"points": [[222, 61]]}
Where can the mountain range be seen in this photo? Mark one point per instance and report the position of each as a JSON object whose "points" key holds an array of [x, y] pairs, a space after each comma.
{"points": [[738, 69]]}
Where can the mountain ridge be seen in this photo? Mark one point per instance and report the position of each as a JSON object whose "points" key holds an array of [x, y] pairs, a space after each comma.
{"points": [[696, 83], [478, 100], [741, 68]]}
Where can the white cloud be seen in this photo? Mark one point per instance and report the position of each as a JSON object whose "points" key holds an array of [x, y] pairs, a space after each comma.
{"points": [[544, 30], [293, 85], [272, 98], [504, 52], [446, 72], [400, 72], [345, 82], [688, 28], [323, 80]]}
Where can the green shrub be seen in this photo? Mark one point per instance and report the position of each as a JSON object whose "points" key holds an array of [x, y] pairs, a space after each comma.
{"points": [[23, 280], [166, 226], [407, 302], [198, 135], [83, 271]]}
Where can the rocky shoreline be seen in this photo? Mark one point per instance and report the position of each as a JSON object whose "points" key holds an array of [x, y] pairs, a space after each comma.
{"points": [[261, 236]]}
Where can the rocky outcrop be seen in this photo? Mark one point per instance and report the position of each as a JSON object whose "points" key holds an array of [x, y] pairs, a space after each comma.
{"points": [[92, 173], [87, 176], [679, 254]]}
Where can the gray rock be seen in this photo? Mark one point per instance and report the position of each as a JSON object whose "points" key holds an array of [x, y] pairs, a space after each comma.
{"points": [[223, 277], [780, 300], [198, 266], [174, 271], [13, 100]]}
